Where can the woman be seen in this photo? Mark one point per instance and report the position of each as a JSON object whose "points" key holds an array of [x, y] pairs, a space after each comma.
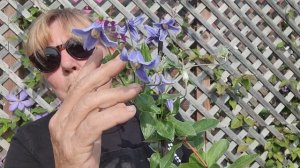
{"points": [[93, 119]]}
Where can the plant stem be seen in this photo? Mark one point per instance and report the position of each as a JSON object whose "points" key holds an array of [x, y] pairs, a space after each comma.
{"points": [[196, 153]]}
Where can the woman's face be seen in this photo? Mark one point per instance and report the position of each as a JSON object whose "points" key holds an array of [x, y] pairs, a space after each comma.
{"points": [[62, 79]]}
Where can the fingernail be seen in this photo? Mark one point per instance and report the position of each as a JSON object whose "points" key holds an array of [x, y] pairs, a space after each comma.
{"points": [[131, 108]]}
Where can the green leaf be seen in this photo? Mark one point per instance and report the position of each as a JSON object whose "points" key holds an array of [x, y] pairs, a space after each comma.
{"points": [[279, 156], [215, 166], [166, 96], [3, 129], [110, 56], [176, 106], [221, 88], [270, 164], [195, 54], [243, 161], [249, 121], [218, 73], [38, 110], [242, 148], [216, 151], [165, 129], [25, 61], [280, 45], [190, 165], [154, 160], [147, 123], [172, 166], [205, 124], [146, 103], [294, 84], [207, 59], [197, 141], [235, 81], [183, 129], [146, 52], [248, 140], [246, 83], [232, 103], [236, 123], [166, 161], [292, 13]]}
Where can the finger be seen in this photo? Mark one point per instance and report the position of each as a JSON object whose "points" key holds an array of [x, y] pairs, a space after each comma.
{"points": [[97, 122], [92, 63], [92, 81], [101, 99]]}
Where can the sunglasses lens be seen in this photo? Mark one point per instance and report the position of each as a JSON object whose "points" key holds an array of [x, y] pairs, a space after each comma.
{"points": [[49, 62], [76, 50]]}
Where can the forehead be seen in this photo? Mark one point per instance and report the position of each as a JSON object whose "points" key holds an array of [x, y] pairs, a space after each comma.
{"points": [[58, 34]]}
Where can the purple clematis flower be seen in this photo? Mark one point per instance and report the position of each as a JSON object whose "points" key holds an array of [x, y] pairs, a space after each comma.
{"points": [[132, 24], [19, 103], [160, 83], [137, 59], [153, 34], [285, 89], [170, 104], [164, 26], [94, 34], [120, 33]]}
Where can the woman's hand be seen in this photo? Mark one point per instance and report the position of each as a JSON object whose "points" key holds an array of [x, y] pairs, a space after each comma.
{"points": [[89, 109]]}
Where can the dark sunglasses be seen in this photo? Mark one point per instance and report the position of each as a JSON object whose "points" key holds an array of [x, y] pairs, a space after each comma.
{"points": [[52, 57]]}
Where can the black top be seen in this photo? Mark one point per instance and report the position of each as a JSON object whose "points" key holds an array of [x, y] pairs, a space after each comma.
{"points": [[122, 147]]}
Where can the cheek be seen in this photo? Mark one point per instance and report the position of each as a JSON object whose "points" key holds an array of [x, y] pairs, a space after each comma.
{"points": [[57, 84]]}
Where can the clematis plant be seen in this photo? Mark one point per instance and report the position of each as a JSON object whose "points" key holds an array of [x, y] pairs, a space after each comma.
{"points": [[160, 120], [19, 102]]}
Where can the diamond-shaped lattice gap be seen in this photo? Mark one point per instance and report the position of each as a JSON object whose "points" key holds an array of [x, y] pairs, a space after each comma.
{"points": [[242, 69], [185, 104], [197, 115], [9, 11], [9, 60], [220, 115]]}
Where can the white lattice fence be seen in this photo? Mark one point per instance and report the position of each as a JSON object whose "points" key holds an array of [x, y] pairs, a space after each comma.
{"points": [[250, 29]]}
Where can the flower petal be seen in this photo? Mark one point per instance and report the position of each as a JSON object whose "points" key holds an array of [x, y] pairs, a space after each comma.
{"points": [[11, 98], [169, 22], [28, 103], [23, 95], [138, 20], [13, 106], [151, 30], [153, 63], [106, 41], [134, 34], [170, 104], [135, 56], [174, 29], [162, 34], [121, 30], [21, 106], [124, 55], [90, 43], [142, 75]]}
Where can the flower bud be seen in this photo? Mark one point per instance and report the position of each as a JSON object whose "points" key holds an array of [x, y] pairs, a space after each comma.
{"points": [[185, 76]]}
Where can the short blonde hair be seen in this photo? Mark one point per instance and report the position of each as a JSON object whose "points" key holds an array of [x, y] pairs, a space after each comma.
{"points": [[39, 32]]}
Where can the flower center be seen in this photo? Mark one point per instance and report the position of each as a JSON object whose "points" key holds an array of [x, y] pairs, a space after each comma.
{"points": [[165, 26], [95, 33], [135, 65]]}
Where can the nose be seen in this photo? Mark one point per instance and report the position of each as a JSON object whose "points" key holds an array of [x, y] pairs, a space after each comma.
{"points": [[68, 63]]}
